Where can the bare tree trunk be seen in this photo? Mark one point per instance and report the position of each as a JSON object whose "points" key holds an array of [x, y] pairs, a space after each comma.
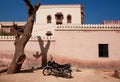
{"points": [[22, 39]]}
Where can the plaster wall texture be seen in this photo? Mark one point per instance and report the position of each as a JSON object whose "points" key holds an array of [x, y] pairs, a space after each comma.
{"points": [[45, 10], [83, 45]]}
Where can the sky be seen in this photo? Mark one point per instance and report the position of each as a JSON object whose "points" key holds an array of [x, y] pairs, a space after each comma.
{"points": [[96, 11]]}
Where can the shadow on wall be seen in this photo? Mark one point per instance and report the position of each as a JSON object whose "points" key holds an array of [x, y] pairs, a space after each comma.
{"points": [[44, 51]]}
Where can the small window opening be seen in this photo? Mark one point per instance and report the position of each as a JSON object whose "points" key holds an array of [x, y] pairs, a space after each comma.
{"points": [[49, 19], [69, 19], [103, 50], [59, 18]]}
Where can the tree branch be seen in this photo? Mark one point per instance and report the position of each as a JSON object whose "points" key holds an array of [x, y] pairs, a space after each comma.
{"points": [[37, 5], [29, 6]]}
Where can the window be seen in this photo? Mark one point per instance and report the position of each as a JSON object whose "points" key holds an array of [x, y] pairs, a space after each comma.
{"points": [[69, 19], [49, 19], [103, 50], [59, 18]]}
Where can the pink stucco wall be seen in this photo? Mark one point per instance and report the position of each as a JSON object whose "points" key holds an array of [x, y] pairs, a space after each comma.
{"points": [[83, 45], [42, 47], [78, 47]]}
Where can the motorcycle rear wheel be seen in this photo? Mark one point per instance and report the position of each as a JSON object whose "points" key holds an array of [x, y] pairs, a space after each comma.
{"points": [[47, 71], [68, 75]]}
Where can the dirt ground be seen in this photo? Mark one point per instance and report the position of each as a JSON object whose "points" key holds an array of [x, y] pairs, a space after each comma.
{"points": [[82, 75]]}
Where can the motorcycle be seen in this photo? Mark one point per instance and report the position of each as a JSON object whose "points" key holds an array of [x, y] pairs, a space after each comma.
{"points": [[58, 69]]}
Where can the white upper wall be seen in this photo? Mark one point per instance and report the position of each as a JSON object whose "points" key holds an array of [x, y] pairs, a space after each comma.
{"points": [[45, 10]]}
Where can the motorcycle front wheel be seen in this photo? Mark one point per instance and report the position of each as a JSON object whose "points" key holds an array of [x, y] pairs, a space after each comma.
{"points": [[47, 71]]}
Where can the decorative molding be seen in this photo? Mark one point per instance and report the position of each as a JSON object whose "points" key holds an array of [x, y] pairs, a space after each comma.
{"points": [[33, 38], [93, 27]]}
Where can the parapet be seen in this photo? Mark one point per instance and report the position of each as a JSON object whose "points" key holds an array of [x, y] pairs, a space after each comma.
{"points": [[92, 27], [33, 38]]}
